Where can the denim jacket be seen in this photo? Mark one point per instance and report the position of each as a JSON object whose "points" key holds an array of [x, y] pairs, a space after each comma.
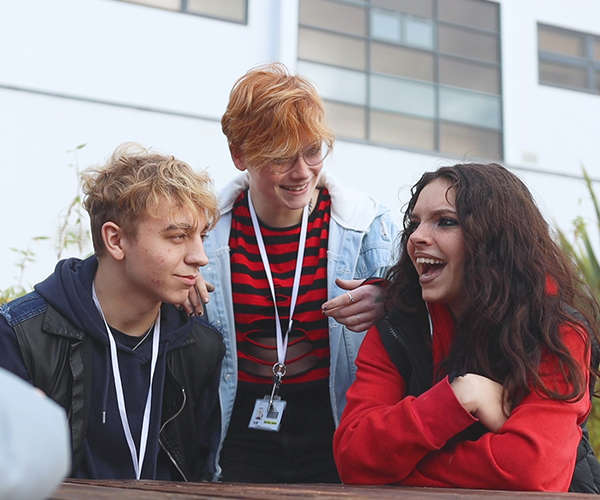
{"points": [[361, 234]]}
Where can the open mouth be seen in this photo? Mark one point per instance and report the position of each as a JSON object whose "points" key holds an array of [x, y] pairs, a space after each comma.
{"points": [[429, 268]]}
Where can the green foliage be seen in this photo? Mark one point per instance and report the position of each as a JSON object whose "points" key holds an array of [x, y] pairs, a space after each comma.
{"points": [[11, 293], [584, 256], [72, 232]]}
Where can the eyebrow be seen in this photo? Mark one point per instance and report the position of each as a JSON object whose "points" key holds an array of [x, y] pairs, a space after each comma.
{"points": [[439, 211], [181, 226]]}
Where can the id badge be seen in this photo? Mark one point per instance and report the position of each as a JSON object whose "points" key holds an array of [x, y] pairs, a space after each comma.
{"points": [[264, 419]]}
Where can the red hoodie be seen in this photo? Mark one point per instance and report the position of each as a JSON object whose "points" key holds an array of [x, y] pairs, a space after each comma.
{"points": [[385, 437]]}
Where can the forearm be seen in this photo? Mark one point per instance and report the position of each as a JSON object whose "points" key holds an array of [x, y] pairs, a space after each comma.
{"points": [[384, 435]]}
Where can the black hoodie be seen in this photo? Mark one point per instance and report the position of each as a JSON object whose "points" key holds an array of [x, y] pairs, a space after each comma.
{"points": [[69, 291]]}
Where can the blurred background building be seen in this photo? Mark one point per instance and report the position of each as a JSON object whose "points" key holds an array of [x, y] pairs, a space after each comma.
{"points": [[409, 85]]}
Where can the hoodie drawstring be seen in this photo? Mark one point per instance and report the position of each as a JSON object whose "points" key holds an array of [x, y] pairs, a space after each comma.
{"points": [[107, 369]]}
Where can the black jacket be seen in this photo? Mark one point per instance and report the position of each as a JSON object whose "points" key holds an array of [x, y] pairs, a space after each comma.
{"points": [[53, 338]]}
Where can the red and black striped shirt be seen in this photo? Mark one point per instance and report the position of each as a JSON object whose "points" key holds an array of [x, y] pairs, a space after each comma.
{"points": [[308, 346]]}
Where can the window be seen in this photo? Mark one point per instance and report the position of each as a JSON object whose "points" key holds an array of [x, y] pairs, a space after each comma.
{"points": [[226, 10], [568, 59], [416, 74]]}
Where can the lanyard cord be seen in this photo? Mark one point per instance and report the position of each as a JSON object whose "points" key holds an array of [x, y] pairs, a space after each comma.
{"points": [[138, 462], [281, 342]]}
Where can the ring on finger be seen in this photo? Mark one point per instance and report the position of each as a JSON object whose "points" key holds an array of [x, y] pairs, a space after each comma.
{"points": [[350, 298]]}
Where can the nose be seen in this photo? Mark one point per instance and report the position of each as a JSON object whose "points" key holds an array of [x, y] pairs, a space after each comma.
{"points": [[421, 235], [196, 256], [300, 168]]}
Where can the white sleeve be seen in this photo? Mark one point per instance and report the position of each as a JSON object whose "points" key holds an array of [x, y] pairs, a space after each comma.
{"points": [[35, 452]]}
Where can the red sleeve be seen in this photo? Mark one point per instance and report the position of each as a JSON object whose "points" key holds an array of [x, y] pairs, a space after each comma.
{"points": [[382, 434], [534, 450], [383, 440]]}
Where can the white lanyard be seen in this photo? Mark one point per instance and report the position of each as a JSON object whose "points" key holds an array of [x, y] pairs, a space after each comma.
{"points": [[138, 462], [281, 343]]}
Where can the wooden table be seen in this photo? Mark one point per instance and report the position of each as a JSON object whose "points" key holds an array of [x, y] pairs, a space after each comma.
{"points": [[82, 489]]}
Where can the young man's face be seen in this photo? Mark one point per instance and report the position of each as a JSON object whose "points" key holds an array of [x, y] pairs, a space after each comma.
{"points": [[162, 257]]}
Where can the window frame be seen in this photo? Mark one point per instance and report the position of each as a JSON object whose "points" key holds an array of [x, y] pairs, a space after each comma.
{"points": [[587, 62], [436, 53], [183, 10]]}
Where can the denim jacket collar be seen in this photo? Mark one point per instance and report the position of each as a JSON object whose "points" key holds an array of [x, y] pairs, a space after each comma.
{"points": [[344, 207]]}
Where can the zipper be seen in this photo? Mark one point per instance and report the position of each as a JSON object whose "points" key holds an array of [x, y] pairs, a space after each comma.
{"points": [[160, 432]]}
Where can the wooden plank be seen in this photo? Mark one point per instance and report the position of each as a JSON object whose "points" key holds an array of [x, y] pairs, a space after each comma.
{"points": [[128, 489]]}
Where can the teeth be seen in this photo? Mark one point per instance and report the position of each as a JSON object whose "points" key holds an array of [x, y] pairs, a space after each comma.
{"points": [[425, 260], [295, 188]]}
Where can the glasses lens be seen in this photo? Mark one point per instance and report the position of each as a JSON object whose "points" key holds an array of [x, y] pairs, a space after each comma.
{"points": [[282, 165], [315, 153]]}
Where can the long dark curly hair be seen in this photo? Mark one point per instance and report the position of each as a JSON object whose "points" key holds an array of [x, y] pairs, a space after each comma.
{"points": [[511, 318]]}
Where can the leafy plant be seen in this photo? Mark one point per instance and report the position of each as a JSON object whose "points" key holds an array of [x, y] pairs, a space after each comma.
{"points": [[583, 254], [72, 232]]}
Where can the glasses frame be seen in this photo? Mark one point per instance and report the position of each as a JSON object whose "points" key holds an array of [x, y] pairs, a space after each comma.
{"points": [[284, 165]]}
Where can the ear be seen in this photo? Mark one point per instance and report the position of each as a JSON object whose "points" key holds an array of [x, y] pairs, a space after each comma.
{"points": [[112, 236], [238, 159]]}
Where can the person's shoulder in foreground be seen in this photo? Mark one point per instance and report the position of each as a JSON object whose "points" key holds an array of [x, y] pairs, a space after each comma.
{"points": [[479, 377], [100, 336], [34, 441]]}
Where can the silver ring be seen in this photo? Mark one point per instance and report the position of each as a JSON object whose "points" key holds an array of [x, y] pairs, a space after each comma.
{"points": [[352, 299]]}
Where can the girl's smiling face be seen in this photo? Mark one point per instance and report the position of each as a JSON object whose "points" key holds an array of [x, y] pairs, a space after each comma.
{"points": [[436, 245]]}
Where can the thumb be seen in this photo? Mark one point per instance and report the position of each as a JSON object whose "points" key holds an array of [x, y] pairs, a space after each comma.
{"points": [[347, 284]]}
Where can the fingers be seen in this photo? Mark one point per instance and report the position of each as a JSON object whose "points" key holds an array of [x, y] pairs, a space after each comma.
{"points": [[482, 397], [347, 284], [187, 307], [198, 295], [345, 298]]}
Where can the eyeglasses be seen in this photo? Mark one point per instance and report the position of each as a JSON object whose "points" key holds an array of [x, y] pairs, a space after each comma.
{"points": [[313, 155]]}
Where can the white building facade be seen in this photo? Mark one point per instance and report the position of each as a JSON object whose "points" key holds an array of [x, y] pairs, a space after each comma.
{"points": [[409, 85]]}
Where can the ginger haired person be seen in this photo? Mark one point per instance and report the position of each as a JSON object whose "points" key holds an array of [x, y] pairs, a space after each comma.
{"points": [[137, 377], [286, 259], [479, 375]]}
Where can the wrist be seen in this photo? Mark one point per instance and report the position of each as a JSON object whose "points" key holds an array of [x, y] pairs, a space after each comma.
{"points": [[464, 392]]}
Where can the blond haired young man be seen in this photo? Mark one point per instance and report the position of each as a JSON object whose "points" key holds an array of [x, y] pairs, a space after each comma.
{"points": [[99, 336]]}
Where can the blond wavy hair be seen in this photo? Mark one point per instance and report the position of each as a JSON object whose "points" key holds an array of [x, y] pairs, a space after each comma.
{"points": [[132, 184], [272, 114]]}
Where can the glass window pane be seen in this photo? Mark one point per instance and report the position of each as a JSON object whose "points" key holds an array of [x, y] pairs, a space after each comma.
{"points": [[597, 50], [400, 61], [475, 13], [469, 142], [346, 121], [331, 48], [418, 32], [335, 83], [404, 96], [234, 10], [399, 130], [421, 8], [469, 75], [385, 25], [467, 44], [565, 76], [597, 81], [560, 42], [163, 4], [334, 16], [468, 107]]}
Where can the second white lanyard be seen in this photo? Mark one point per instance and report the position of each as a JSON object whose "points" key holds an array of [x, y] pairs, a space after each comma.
{"points": [[281, 341], [137, 461]]}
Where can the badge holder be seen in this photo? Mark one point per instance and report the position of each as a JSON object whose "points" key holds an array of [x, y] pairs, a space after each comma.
{"points": [[268, 411]]}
